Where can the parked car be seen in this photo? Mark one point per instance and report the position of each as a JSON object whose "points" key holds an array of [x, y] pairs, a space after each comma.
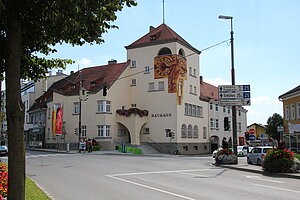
{"points": [[257, 154], [3, 150], [242, 150]]}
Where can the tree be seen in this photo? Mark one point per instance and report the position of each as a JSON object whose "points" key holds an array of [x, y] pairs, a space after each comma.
{"points": [[29, 31], [273, 122]]}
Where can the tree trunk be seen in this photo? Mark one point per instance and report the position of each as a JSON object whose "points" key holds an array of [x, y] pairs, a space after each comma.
{"points": [[15, 107]]}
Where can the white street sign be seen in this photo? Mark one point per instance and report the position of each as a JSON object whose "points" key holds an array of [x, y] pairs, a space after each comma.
{"points": [[232, 88], [234, 102], [234, 95]]}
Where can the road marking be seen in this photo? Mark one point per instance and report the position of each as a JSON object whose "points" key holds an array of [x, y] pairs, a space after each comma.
{"points": [[278, 188], [151, 188], [261, 179], [162, 172], [192, 174]]}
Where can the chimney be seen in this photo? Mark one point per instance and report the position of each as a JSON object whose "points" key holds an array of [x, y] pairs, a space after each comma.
{"points": [[59, 72], [71, 72], [151, 28], [201, 79], [112, 61]]}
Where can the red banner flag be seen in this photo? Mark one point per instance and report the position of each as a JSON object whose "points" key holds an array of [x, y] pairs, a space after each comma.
{"points": [[59, 121]]}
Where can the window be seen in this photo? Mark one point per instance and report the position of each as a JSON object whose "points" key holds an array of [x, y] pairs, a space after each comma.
{"points": [[183, 131], [193, 110], [76, 108], [186, 148], [239, 113], [146, 130], [151, 86], [49, 113], [181, 52], [133, 105], [228, 110], [196, 148], [195, 90], [224, 109], [133, 82], [164, 51], [298, 110], [190, 131], [83, 131], [103, 131], [190, 109], [217, 108], [212, 125], [196, 131], [194, 72], [239, 126], [27, 118], [204, 132], [147, 70], [186, 108], [217, 123], [190, 71], [133, 64], [161, 86], [287, 112], [210, 106], [104, 106], [292, 111]]}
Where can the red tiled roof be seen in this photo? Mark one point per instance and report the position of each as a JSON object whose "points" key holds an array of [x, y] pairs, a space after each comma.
{"points": [[93, 80], [160, 35], [208, 91]]}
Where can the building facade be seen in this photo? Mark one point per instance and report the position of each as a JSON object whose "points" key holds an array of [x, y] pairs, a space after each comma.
{"points": [[291, 116], [218, 115]]}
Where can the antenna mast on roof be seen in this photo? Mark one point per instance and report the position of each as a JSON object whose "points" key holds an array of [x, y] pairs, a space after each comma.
{"points": [[163, 11]]}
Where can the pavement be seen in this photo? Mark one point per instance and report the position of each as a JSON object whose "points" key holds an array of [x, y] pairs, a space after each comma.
{"points": [[241, 166]]}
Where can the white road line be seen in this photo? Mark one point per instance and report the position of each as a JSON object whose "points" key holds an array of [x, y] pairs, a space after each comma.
{"points": [[262, 179], [151, 188], [161, 172], [191, 174], [277, 188]]}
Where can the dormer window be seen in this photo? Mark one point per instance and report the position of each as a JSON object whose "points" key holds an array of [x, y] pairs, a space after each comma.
{"points": [[93, 84], [73, 87], [152, 37]]}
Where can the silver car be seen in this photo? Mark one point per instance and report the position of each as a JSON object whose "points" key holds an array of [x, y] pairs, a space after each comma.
{"points": [[257, 154]]}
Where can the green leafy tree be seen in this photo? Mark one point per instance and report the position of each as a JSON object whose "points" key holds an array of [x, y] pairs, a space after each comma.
{"points": [[273, 122], [29, 31]]}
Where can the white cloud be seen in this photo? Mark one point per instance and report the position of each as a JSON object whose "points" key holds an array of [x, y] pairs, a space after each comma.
{"points": [[217, 81], [265, 100], [85, 61]]}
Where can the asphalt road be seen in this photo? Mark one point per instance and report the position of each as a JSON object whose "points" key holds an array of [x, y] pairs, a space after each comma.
{"points": [[117, 177]]}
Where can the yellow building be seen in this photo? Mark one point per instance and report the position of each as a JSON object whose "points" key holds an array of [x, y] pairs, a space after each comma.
{"points": [[291, 110], [259, 131]]}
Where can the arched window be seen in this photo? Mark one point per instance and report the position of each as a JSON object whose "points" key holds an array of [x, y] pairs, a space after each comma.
{"points": [[196, 131], [204, 132], [181, 52], [190, 131], [183, 131], [164, 51]]}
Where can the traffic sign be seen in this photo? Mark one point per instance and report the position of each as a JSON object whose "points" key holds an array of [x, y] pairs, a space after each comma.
{"points": [[252, 131], [232, 88], [251, 137], [234, 95], [235, 102]]}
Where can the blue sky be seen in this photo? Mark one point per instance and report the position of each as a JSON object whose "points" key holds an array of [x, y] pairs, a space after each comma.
{"points": [[266, 43]]}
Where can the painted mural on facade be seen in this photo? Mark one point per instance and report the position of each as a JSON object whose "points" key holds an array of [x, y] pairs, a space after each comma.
{"points": [[174, 68]]}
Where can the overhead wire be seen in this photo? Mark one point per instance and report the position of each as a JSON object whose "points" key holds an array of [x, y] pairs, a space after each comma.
{"points": [[183, 56]]}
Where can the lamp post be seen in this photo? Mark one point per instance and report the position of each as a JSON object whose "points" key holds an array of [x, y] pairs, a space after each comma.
{"points": [[234, 128]]}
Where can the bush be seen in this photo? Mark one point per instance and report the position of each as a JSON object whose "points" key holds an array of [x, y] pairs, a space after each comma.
{"points": [[225, 156], [97, 148], [278, 160]]}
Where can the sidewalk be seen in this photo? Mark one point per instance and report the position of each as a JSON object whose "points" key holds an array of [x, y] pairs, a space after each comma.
{"points": [[244, 166]]}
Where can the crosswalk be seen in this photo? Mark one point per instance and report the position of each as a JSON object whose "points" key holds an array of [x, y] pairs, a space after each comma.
{"points": [[44, 155]]}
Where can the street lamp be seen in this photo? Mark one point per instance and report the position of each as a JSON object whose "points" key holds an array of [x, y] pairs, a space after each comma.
{"points": [[234, 128]]}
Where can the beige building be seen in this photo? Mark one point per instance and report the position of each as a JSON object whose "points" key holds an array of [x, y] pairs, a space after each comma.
{"points": [[156, 90]]}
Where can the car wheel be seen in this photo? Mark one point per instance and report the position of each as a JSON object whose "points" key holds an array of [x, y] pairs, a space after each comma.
{"points": [[248, 161], [258, 161]]}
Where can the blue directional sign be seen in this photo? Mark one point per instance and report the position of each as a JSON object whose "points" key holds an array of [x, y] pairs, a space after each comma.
{"points": [[251, 137], [234, 95]]}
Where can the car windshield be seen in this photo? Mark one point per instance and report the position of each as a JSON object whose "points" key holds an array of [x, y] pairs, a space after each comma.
{"points": [[3, 147], [266, 150]]}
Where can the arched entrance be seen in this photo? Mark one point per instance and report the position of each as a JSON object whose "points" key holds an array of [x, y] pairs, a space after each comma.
{"points": [[214, 143], [123, 135]]}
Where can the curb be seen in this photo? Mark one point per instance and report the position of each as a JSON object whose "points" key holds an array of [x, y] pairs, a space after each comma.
{"points": [[284, 175]]}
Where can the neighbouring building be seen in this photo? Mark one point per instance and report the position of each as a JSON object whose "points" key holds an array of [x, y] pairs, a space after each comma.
{"points": [[291, 116], [217, 116], [259, 131]]}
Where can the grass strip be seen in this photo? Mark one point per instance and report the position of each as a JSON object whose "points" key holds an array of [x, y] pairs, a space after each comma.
{"points": [[33, 192]]}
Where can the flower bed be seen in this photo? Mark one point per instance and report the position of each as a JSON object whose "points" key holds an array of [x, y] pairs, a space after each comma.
{"points": [[3, 181], [226, 156], [278, 160]]}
